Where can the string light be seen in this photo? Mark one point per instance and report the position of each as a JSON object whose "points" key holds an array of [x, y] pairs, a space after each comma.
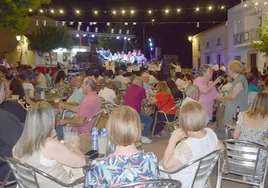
{"points": [[166, 11], [114, 12], [61, 11], [132, 11], [222, 7], [178, 10], [210, 8], [96, 12], [30, 10], [134, 23], [123, 11], [152, 20], [52, 11], [197, 9], [41, 11], [77, 11], [149, 11]]}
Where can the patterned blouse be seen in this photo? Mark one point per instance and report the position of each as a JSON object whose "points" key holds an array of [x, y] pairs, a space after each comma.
{"points": [[115, 170]]}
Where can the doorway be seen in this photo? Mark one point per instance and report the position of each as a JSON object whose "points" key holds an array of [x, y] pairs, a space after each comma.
{"points": [[252, 60]]}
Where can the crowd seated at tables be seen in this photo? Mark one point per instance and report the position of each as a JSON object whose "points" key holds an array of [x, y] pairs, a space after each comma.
{"points": [[35, 131]]}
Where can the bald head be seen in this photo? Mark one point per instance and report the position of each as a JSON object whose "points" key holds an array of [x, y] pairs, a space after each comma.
{"points": [[193, 92]]}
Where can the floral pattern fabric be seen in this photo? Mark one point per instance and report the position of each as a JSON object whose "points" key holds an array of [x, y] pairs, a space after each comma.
{"points": [[115, 170]]}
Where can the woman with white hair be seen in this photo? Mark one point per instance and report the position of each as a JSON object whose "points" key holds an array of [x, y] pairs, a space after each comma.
{"points": [[38, 147]]}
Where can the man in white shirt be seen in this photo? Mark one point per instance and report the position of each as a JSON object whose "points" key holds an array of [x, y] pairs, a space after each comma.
{"points": [[180, 82], [109, 65], [215, 66], [107, 93], [121, 79], [40, 80], [149, 92]]}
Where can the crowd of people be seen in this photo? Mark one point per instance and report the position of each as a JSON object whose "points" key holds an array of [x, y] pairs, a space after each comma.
{"points": [[139, 93]]}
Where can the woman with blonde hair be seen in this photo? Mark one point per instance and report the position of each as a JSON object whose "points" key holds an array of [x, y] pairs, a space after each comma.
{"points": [[199, 141], [126, 164], [237, 95], [38, 147], [208, 92], [252, 125], [165, 103]]}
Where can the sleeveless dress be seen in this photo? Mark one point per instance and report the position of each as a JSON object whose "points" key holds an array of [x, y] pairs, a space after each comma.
{"points": [[195, 148], [241, 100], [51, 167]]}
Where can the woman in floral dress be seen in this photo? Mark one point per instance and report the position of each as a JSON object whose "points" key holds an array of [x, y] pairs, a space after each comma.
{"points": [[253, 124], [126, 164]]}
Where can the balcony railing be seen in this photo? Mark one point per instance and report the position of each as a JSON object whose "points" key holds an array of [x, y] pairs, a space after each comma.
{"points": [[245, 37]]}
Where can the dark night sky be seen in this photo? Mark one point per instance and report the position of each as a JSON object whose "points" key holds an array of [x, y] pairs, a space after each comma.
{"points": [[172, 38]]}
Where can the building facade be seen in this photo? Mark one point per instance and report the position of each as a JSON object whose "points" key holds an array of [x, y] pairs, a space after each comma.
{"points": [[240, 32]]}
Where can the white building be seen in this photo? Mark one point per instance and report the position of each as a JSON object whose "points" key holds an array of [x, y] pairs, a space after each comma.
{"points": [[243, 21]]}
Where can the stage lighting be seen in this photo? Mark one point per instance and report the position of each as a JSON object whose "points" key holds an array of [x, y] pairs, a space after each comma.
{"points": [[123, 11], [114, 12], [96, 12], [222, 7], [152, 20], [132, 11], [151, 44], [152, 49], [150, 40], [117, 37], [128, 39], [92, 36], [30, 10], [190, 38], [41, 11], [178, 10], [150, 12], [77, 11], [126, 23], [134, 23], [108, 23], [125, 38], [166, 11], [77, 35], [84, 35], [61, 11], [210, 8], [197, 9], [52, 11]]}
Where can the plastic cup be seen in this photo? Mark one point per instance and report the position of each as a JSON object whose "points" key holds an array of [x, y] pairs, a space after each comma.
{"points": [[102, 143]]}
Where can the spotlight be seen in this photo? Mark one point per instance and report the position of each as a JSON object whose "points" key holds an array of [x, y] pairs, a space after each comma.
{"points": [[178, 10], [84, 35], [77, 35], [52, 11], [77, 11], [134, 23], [150, 40], [152, 49], [41, 11], [125, 38], [61, 11], [190, 38], [151, 44], [92, 36], [132, 11], [150, 12], [210, 8], [222, 7], [96, 12], [197, 9], [117, 37], [123, 11], [114, 12], [30, 10], [128, 39], [166, 11], [126, 23], [153, 20]]}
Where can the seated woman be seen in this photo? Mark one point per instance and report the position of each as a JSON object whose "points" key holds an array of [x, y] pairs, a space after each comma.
{"points": [[165, 103], [177, 94], [252, 125], [126, 164], [61, 86], [199, 141], [38, 147]]}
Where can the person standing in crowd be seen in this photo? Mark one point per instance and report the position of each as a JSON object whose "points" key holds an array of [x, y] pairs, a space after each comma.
{"points": [[237, 96], [177, 67], [180, 81], [215, 70], [10, 131], [196, 142], [28, 73], [130, 164], [38, 147], [40, 80], [136, 96], [208, 92], [90, 106], [48, 77], [222, 69]]}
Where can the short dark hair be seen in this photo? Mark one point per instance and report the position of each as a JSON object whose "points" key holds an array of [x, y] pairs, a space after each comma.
{"points": [[47, 70]]}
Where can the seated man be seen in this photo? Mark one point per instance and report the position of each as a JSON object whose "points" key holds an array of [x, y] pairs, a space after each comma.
{"points": [[121, 79], [90, 105], [40, 80], [146, 77], [10, 132], [135, 97], [77, 96], [107, 93]]}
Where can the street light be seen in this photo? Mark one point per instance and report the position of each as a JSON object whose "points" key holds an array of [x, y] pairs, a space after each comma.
{"points": [[190, 38]]}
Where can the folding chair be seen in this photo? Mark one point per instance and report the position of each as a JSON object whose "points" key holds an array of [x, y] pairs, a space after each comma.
{"points": [[26, 175], [154, 183], [242, 158], [204, 169], [5, 182]]}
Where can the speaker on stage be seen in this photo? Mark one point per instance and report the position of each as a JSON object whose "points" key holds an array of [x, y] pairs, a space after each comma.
{"points": [[158, 53]]}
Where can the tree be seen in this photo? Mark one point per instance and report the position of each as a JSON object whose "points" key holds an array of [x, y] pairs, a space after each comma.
{"points": [[262, 43], [48, 38], [14, 13]]}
